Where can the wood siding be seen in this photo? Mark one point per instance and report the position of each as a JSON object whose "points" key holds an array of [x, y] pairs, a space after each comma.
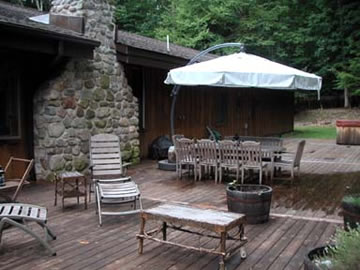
{"points": [[251, 112]]}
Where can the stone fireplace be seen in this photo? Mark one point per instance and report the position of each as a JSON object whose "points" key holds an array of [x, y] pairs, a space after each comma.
{"points": [[87, 97]]}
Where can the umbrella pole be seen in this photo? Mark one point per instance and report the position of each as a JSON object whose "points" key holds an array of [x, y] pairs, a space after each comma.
{"points": [[176, 88]]}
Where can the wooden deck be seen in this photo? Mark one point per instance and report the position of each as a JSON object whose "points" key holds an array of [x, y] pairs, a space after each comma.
{"points": [[302, 216]]}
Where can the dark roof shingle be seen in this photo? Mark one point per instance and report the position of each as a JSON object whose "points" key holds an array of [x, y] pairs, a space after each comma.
{"points": [[154, 45]]}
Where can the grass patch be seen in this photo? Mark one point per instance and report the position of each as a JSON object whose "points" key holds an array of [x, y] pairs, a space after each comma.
{"points": [[312, 132]]}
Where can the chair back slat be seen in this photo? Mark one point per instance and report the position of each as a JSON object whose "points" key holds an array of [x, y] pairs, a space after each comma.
{"points": [[207, 152], [185, 150], [299, 152], [105, 155], [176, 137], [251, 153], [229, 152]]}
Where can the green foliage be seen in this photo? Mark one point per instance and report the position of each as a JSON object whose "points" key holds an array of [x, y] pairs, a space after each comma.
{"points": [[352, 199], [42, 5], [317, 36], [345, 253], [140, 16], [312, 132]]}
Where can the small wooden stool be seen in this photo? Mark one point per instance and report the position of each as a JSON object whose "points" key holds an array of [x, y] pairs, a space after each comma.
{"points": [[71, 187]]}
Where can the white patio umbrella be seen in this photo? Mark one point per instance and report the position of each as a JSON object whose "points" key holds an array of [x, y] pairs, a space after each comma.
{"points": [[239, 70], [244, 70]]}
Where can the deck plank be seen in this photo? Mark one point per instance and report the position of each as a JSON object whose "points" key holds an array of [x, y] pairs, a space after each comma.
{"points": [[304, 217]]}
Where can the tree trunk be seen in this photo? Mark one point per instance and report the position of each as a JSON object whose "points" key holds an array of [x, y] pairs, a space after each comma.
{"points": [[346, 98]]}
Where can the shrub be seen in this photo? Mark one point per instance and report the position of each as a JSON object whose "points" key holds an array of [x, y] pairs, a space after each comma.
{"points": [[345, 253], [352, 199]]}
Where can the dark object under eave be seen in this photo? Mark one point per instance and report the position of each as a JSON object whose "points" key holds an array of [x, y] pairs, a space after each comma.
{"points": [[159, 147]]}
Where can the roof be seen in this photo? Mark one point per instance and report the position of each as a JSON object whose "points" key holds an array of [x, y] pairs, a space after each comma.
{"points": [[155, 45], [17, 17], [140, 50]]}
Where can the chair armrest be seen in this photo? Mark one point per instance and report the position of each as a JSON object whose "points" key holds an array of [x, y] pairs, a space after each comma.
{"points": [[127, 164]]}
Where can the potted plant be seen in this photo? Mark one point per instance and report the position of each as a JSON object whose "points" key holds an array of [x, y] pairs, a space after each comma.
{"points": [[351, 210], [252, 200], [343, 254]]}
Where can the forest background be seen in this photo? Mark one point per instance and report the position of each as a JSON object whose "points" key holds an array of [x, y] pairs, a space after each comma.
{"points": [[318, 36]]}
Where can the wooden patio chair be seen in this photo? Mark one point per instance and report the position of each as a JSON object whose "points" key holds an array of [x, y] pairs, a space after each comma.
{"points": [[251, 159], [175, 139], [20, 175], [186, 156], [107, 169], [229, 157], [18, 214], [208, 157], [289, 161]]}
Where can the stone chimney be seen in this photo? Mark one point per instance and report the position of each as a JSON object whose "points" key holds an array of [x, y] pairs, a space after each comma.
{"points": [[88, 97]]}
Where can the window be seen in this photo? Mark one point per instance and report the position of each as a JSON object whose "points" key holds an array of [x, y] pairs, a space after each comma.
{"points": [[9, 108]]}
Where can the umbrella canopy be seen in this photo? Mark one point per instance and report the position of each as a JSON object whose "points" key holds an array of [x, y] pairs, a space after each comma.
{"points": [[244, 70]]}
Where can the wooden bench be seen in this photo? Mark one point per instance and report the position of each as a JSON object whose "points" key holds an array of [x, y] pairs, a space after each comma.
{"points": [[218, 222]]}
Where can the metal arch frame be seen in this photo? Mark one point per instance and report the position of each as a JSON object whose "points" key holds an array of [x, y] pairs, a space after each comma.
{"points": [[176, 88]]}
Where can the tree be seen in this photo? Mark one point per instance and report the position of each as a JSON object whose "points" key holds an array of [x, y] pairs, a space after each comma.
{"points": [[41, 5], [140, 17]]}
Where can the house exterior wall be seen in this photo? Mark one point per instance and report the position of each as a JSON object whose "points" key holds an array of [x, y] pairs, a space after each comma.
{"points": [[86, 98]]}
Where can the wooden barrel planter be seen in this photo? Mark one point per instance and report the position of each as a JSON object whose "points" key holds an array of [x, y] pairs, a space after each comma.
{"points": [[351, 212], [252, 200], [348, 132]]}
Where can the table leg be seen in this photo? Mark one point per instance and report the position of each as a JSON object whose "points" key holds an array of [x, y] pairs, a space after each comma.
{"points": [[141, 234], [242, 233], [63, 193], [77, 190], [242, 238], [55, 202], [223, 250], [164, 230], [85, 190]]}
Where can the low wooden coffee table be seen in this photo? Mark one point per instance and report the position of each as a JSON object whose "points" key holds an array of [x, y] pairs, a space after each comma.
{"points": [[218, 222]]}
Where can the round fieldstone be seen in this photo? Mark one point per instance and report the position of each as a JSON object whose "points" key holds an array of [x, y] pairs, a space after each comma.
{"points": [[80, 163], [99, 94], [80, 112], [124, 122], [56, 163], [90, 114], [89, 84], [103, 112], [100, 123], [56, 129]]}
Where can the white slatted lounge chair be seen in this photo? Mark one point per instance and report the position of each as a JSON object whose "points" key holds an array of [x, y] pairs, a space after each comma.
{"points": [[18, 214], [107, 174]]}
